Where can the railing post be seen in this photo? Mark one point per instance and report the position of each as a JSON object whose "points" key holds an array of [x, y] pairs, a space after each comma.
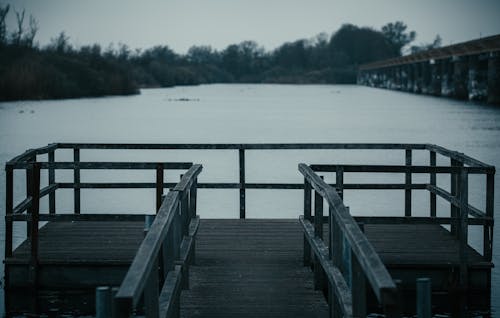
{"points": [[151, 293], [408, 161], [103, 302], [52, 180], [9, 206], [463, 236], [424, 290], [307, 216], [454, 188], [339, 180], [433, 183], [241, 155], [358, 286], [29, 189], [488, 229], [318, 233], [193, 198], [34, 211], [76, 181], [159, 185]]}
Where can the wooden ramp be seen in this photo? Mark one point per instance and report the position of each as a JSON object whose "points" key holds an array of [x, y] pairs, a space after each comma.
{"points": [[251, 268]]}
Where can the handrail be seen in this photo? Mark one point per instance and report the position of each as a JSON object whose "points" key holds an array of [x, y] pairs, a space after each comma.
{"points": [[379, 278], [167, 241]]}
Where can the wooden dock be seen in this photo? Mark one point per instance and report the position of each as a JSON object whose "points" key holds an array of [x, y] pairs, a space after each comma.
{"points": [[325, 263]]}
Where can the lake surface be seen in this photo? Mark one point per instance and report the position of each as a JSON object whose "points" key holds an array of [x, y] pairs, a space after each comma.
{"points": [[253, 114]]}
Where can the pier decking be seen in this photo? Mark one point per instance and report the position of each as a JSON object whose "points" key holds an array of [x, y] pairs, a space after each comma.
{"points": [[184, 266]]}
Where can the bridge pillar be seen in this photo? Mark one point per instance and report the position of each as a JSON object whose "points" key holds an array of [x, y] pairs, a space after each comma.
{"points": [[446, 77], [426, 77], [410, 77], [435, 78], [460, 74], [477, 84], [417, 78], [494, 78]]}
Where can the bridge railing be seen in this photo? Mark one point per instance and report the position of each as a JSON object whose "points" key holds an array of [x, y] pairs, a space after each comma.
{"points": [[346, 257], [160, 268]]}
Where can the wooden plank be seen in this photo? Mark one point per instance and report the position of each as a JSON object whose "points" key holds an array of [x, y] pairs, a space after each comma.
{"points": [[52, 181], [188, 178], [432, 182]]}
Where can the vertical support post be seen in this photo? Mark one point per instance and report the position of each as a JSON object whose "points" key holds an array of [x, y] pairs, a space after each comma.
{"points": [[358, 286], [76, 174], [424, 290], [318, 215], [185, 211], [52, 180], [103, 302], [339, 180], [408, 183], [318, 233], [241, 155], [29, 188], [490, 205], [463, 237], [432, 180], [193, 198], [159, 185], [9, 206], [34, 212], [307, 216], [454, 189], [151, 293]]}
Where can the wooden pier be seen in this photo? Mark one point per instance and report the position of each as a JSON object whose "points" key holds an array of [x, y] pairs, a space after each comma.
{"points": [[325, 263]]}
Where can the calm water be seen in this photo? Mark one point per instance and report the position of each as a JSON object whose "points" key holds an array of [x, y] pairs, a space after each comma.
{"points": [[253, 114]]}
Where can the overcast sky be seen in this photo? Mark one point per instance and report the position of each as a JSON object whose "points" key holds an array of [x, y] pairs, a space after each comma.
{"points": [[182, 23]]}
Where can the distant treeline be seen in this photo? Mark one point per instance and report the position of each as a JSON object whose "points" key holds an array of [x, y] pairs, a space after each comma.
{"points": [[60, 70]]}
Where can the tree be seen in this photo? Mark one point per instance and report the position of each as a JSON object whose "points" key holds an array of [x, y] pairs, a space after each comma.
{"points": [[429, 46], [17, 35], [60, 43], [396, 34], [3, 29], [352, 45]]}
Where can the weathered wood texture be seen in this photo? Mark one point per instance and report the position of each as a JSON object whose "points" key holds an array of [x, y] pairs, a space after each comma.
{"points": [[74, 258], [251, 268]]}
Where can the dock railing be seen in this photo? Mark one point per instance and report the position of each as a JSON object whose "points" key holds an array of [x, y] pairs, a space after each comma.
{"points": [[462, 213], [164, 255], [346, 257]]}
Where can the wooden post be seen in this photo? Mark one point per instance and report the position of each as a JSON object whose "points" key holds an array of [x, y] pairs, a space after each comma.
{"points": [[318, 215], [34, 211], [339, 180], [424, 290], [159, 186], [433, 183], [52, 180], [318, 233], [151, 293], [193, 198], [241, 153], [76, 174], [408, 183], [463, 237], [490, 205], [9, 206], [358, 285], [103, 302], [307, 216], [29, 194], [185, 211], [454, 188]]}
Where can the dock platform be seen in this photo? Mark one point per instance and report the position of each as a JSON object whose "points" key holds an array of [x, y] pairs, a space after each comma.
{"points": [[324, 263]]}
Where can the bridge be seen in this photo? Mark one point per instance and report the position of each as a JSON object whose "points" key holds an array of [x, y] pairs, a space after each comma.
{"points": [[171, 263], [468, 71]]}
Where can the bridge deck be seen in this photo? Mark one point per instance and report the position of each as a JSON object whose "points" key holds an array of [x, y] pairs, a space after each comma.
{"points": [[243, 268]]}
